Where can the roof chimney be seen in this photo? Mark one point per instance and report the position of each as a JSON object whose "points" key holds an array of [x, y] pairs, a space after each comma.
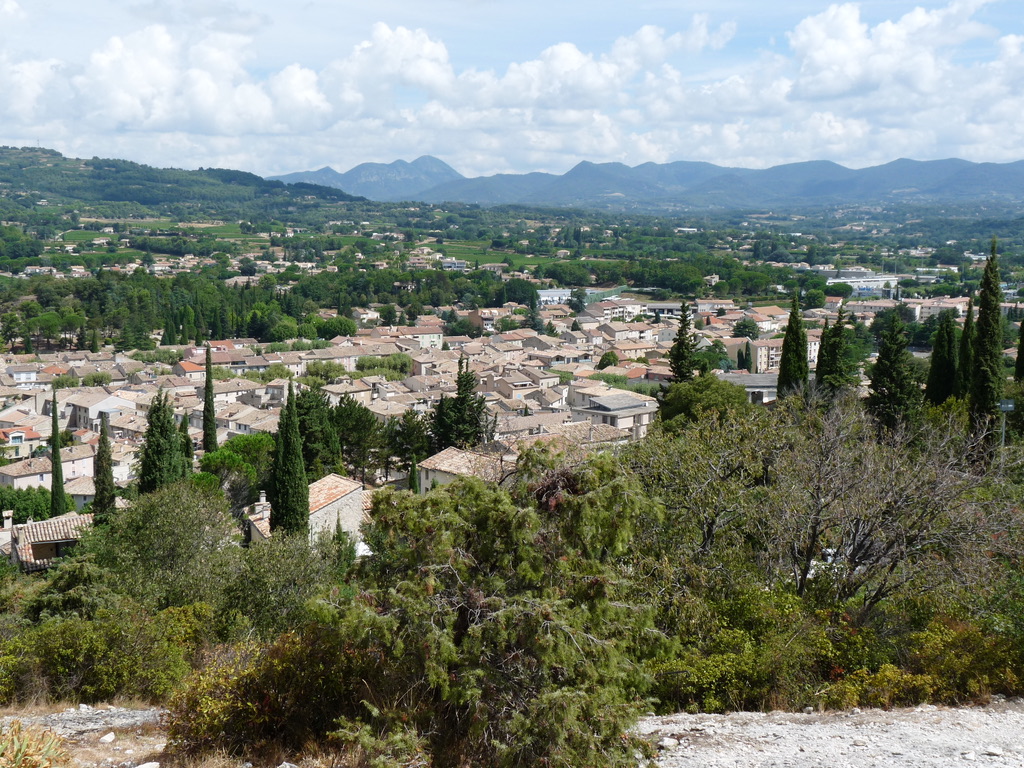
{"points": [[8, 518]]}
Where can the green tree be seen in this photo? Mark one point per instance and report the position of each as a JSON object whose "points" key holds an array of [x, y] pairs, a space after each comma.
{"points": [[578, 300], [460, 421], [168, 548], [609, 358], [965, 354], [502, 613], [987, 377], [793, 367], [895, 396], [682, 357], [321, 446], [187, 448], [747, 327], [409, 441], [58, 500], [104, 502], [833, 371], [209, 409], [289, 491], [162, 461], [686, 401], [1018, 367], [942, 373]]}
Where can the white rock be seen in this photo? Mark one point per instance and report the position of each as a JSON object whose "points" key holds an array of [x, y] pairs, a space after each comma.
{"points": [[808, 710], [968, 756], [149, 765], [286, 764], [108, 738], [668, 743], [860, 743], [992, 751], [855, 711]]}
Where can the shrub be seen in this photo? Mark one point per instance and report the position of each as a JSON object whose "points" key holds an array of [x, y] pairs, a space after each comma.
{"points": [[113, 654], [484, 630], [886, 688], [30, 747]]}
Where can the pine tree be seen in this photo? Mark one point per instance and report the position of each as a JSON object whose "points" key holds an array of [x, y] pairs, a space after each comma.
{"points": [[895, 395], [460, 421], [58, 500], [833, 371], [162, 462], [682, 357], [965, 354], [793, 367], [209, 411], [942, 374], [289, 491], [987, 376], [104, 502]]}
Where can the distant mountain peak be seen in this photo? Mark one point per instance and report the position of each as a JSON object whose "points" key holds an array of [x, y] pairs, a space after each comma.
{"points": [[683, 185]]}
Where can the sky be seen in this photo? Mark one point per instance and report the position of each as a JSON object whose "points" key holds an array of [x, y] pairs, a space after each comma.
{"points": [[494, 86]]}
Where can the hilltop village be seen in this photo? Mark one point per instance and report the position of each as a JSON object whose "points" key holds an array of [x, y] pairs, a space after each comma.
{"points": [[589, 382]]}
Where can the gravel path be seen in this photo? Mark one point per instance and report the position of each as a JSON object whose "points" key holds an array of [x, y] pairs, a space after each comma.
{"points": [[904, 738]]}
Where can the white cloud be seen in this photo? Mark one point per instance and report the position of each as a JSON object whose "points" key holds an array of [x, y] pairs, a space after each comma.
{"points": [[846, 89]]}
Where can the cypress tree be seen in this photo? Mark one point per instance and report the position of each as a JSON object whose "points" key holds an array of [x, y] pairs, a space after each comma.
{"points": [[104, 502], [943, 371], [187, 449], [289, 491], [209, 412], [58, 501], [94, 341], [414, 476], [793, 368], [1018, 368], [749, 357], [965, 355], [682, 357], [987, 377], [895, 396], [162, 462]]}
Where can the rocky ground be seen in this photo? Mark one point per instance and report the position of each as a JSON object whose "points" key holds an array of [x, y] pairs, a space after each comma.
{"points": [[923, 737], [103, 736], [903, 738]]}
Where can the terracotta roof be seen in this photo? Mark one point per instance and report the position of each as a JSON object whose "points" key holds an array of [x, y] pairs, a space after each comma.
{"points": [[329, 489], [67, 527]]}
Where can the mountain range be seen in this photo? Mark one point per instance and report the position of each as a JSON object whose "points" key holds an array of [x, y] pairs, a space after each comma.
{"points": [[684, 185]]}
